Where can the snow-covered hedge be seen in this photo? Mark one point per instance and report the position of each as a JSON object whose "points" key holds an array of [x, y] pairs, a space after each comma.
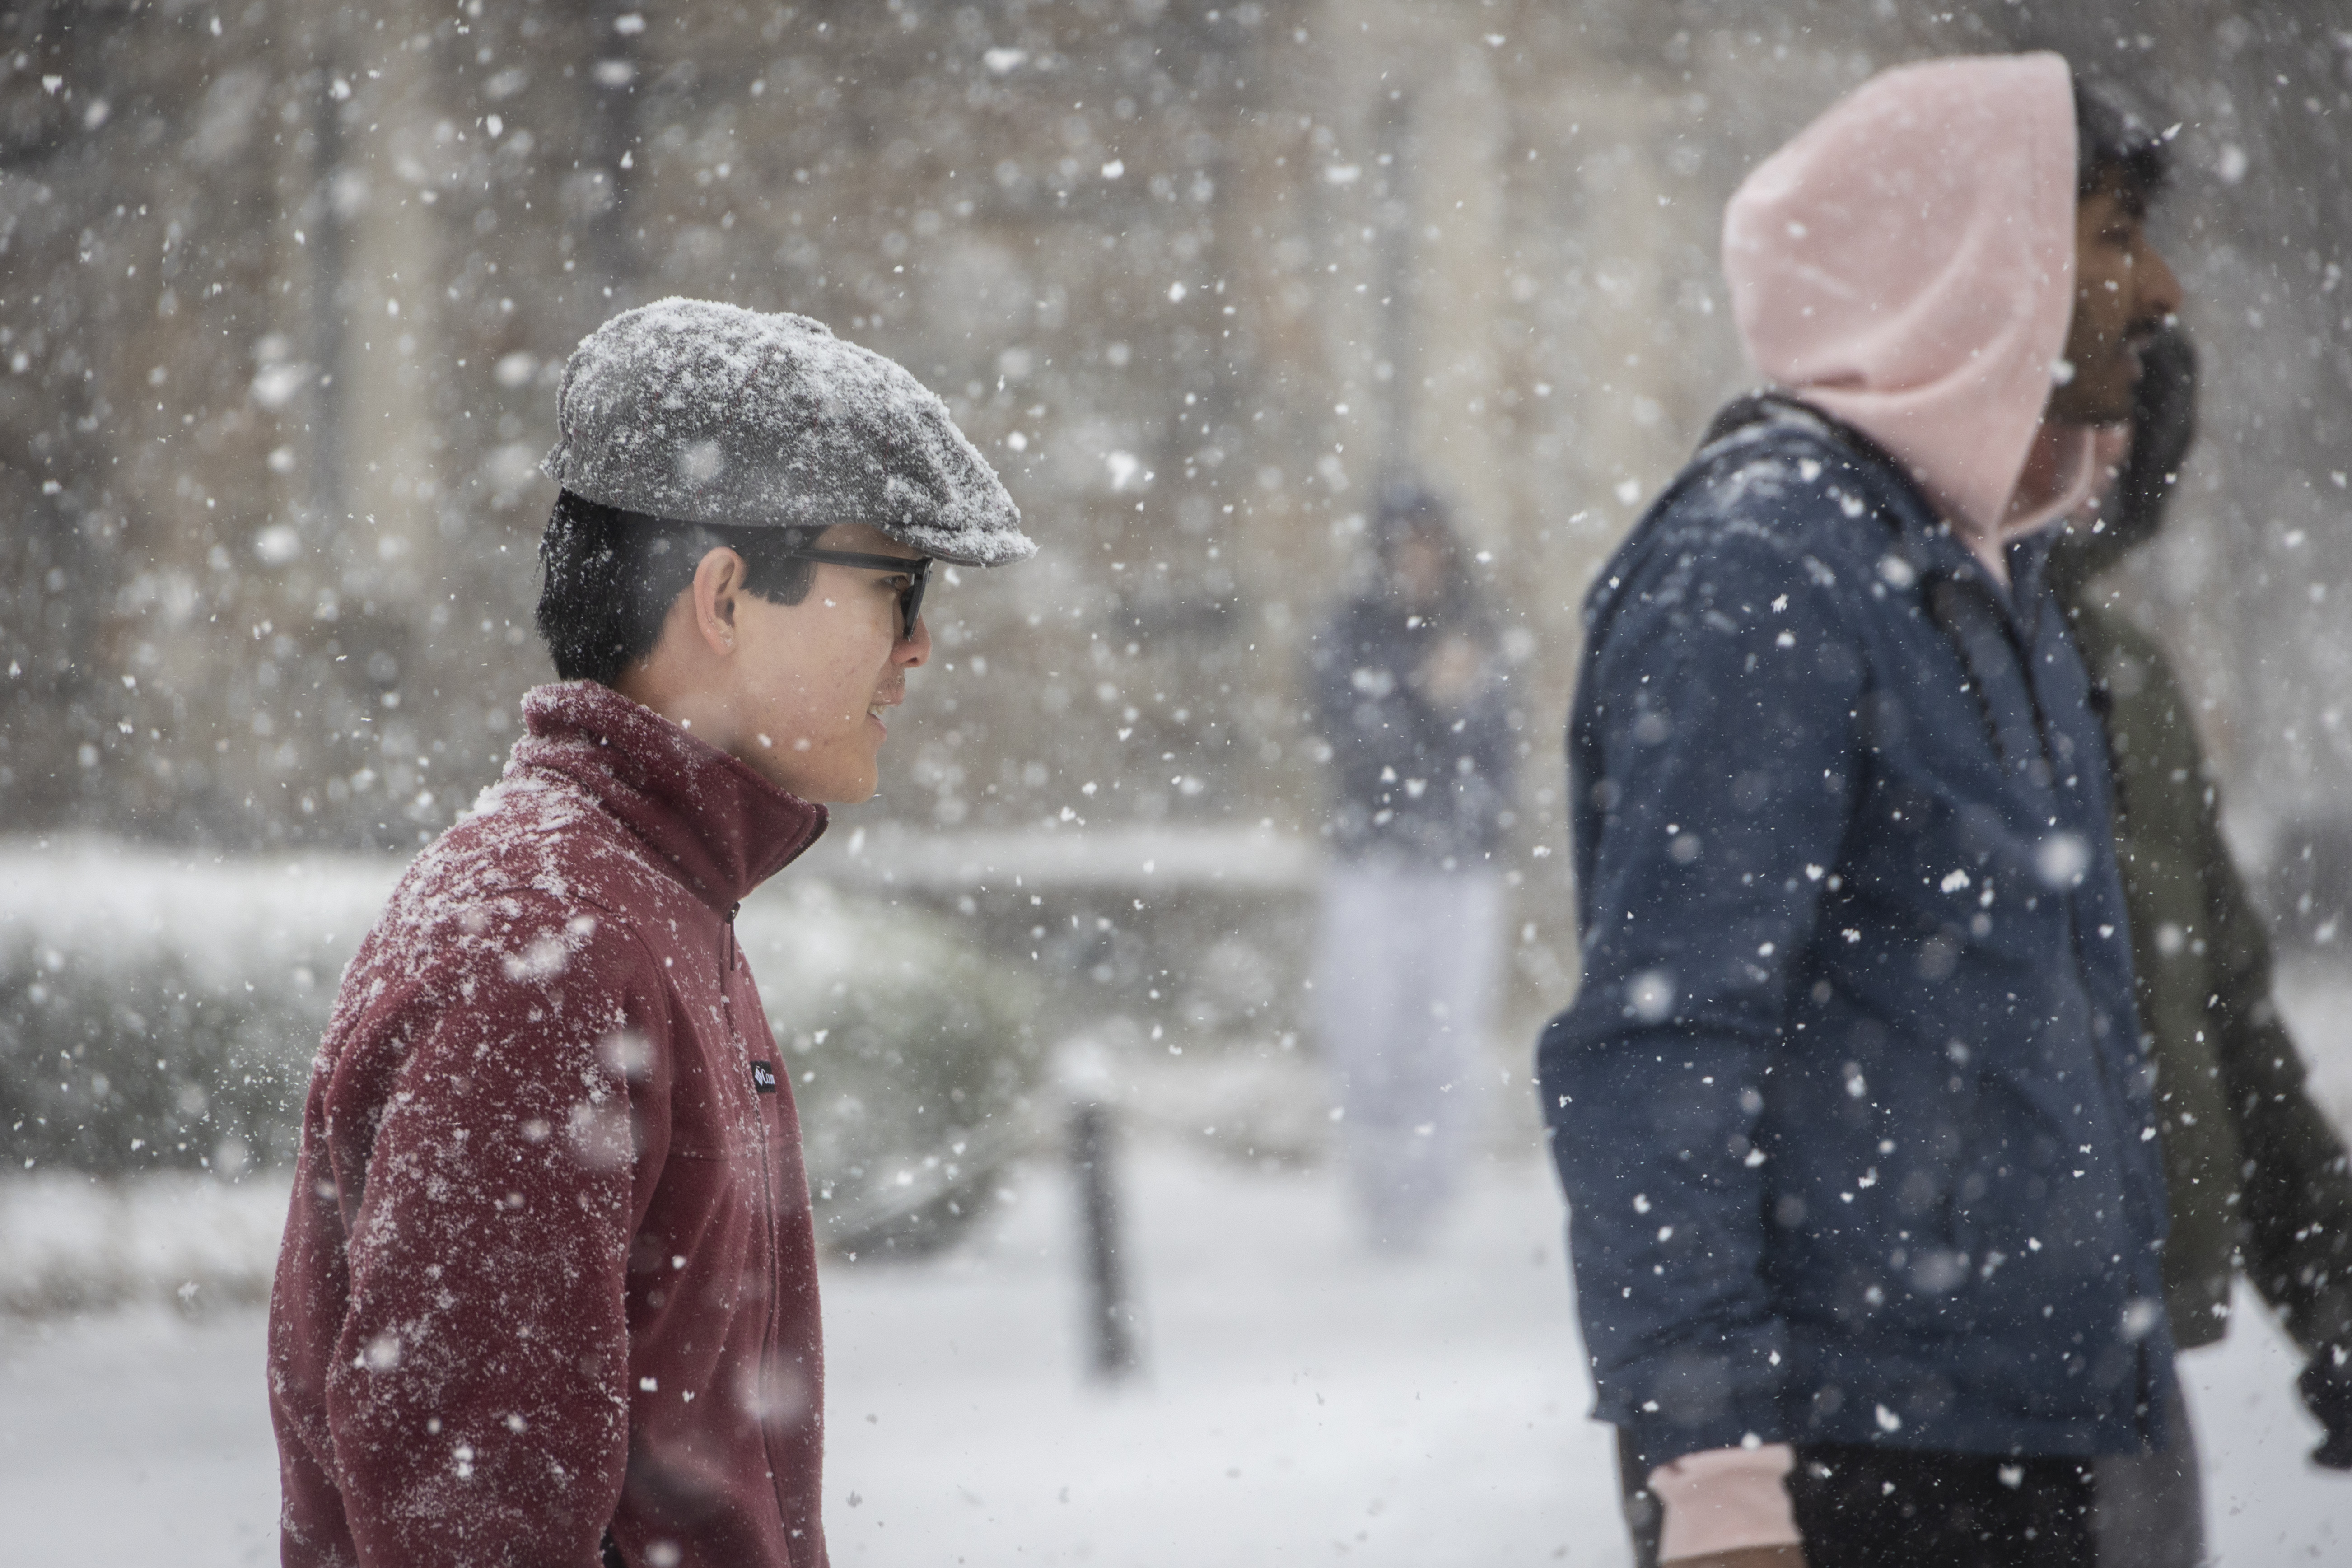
{"points": [[159, 1010], [118, 1067]]}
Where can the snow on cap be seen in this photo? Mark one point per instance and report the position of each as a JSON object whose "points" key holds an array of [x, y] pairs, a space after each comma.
{"points": [[702, 411]]}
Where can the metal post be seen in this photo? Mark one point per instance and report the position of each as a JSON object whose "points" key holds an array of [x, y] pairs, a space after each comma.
{"points": [[1109, 1316]]}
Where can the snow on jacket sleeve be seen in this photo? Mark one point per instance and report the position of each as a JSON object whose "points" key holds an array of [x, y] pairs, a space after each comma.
{"points": [[1714, 747], [480, 1118]]}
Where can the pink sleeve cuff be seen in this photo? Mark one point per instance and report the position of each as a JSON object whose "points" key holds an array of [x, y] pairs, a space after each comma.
{"points": [[1724, 1500]]}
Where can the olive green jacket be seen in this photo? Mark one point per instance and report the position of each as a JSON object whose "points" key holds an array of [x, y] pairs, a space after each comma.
{"points": [[2255, 1174]]}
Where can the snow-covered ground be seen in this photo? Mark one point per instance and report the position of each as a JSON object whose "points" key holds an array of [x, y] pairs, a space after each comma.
{"points": [[1302, 1401]]}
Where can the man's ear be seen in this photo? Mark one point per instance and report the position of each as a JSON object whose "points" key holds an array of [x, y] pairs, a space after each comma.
{"points": [[715, 593]]}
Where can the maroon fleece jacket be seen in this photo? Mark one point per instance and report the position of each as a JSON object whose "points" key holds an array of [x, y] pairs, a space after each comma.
{"points": [[549, 1268]]}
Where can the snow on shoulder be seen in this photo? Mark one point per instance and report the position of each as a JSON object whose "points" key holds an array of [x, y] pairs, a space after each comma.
{"points": [[704, 411]]}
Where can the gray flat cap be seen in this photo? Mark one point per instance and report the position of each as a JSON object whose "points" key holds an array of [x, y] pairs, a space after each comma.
{"points": [[710, 413]]}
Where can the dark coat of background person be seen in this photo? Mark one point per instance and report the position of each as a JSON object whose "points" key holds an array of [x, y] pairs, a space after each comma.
{"points": [[1411, 780], [2256, 1176], [1862, 1133]]}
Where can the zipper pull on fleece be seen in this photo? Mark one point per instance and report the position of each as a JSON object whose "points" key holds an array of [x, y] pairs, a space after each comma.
{"points": [[730, 935]]}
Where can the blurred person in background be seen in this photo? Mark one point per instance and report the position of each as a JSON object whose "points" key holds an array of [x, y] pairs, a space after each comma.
{"points": [[2254, 1174], [548, 1292], [1850, 1107], [1408, 694]]}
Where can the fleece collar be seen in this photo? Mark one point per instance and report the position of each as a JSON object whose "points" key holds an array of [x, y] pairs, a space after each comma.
{"points": [[718, 826]]}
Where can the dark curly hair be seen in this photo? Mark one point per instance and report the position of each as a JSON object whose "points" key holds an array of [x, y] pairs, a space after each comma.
{"points": [[610, 576]]}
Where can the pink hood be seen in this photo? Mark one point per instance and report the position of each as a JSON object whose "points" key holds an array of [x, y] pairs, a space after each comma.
{"points": [[1906, 264]]}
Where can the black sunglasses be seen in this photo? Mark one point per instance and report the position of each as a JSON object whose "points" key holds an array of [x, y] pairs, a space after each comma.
{"points": [[917, 570]]}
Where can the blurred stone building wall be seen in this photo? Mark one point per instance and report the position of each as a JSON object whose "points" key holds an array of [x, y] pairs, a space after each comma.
{"points": [[285, 286]]}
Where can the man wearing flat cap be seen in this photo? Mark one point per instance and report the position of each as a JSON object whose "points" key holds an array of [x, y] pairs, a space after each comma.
{"points": [[548, 1292]]}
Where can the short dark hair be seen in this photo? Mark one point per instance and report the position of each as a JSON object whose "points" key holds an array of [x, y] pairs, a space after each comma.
{"points": [[609, 577], [2113, 135]]}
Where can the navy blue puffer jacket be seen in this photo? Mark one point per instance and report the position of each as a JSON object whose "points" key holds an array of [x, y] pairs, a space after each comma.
{"points": [[1851, 1108]]}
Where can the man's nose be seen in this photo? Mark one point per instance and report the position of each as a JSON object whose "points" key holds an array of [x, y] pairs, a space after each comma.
{"points": [[2159, 290], [916, 649]]}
